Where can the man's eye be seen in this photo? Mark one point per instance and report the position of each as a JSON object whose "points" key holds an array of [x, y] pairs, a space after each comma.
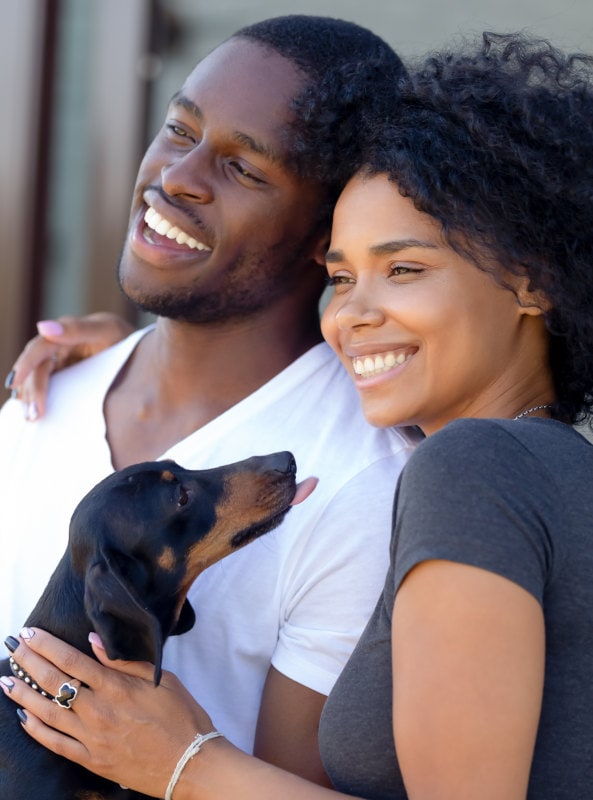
{"points": [[238, 167], [175, 129]]}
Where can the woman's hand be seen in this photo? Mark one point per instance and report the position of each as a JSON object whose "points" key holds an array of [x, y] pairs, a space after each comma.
{"points": [[120, 725], [60, 343]]}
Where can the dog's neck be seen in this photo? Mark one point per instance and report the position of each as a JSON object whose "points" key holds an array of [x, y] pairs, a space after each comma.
{"points": [[64, 591]]}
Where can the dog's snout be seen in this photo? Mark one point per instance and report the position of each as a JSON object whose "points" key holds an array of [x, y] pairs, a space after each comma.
{"points": [[283, 462]]}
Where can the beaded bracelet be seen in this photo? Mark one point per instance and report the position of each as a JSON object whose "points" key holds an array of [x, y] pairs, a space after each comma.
{"points": [[193, 748]]}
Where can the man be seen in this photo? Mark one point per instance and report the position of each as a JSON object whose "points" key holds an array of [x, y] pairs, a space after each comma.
{"points": [[228, 229]]}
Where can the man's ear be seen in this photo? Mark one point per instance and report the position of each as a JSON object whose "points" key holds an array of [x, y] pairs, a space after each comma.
{"points": [[534, 303], [321, 247]]}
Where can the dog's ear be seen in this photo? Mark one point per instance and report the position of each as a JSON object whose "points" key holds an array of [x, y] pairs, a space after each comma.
{"points": [[127, 629], [186, 620]]}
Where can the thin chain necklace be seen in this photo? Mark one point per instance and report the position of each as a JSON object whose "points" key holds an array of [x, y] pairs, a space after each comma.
{"points": [[531, 410]]}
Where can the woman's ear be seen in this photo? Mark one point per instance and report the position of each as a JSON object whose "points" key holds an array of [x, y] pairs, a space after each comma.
{"points": [[534, 303]]}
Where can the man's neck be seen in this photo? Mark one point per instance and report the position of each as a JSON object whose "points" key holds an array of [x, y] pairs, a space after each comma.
{"points": [[182, 376]]}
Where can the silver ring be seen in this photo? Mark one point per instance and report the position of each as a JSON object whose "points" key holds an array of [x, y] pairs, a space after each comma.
{"points": [[66, 695]]}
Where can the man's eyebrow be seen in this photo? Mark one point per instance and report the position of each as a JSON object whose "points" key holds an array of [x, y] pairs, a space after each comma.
{"points": [[243, 139], [179, 99], [261, 149], [385, 248]]}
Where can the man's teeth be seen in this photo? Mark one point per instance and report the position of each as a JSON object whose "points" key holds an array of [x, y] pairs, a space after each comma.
{"points": [[163, 227], [374, 365]]}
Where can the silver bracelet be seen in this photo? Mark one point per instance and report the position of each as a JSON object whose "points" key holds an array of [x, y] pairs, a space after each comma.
{"points": [[194, 747]]}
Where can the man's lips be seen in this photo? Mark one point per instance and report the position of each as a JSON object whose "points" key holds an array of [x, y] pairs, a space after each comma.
{"points": [[169, 230]]}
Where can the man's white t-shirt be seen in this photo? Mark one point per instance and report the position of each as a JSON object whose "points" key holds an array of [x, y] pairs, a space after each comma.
{"points": [[298, 598]]}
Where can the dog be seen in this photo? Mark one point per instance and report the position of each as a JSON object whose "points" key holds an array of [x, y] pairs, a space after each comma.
{"points": [[137, 541]]}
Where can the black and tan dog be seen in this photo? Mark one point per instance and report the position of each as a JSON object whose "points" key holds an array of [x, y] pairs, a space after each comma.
{"points": [[137, 541]]}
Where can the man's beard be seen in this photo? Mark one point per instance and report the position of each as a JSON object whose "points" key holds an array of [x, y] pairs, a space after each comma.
{"points": [[252, 283]]}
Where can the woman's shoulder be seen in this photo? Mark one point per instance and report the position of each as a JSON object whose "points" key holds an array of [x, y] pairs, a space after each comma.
{"points": [[501, 449]]}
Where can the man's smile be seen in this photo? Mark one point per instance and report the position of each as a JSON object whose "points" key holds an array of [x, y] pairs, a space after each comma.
{"points": [[163, 227]]}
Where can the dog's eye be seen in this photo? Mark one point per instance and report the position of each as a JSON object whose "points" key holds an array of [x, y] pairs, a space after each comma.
{"points": [[183, 497]]}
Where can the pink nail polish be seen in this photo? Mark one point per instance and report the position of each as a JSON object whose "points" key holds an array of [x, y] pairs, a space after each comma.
{"points": [[27, 633], [32, 412], [7, 684], [49, 327], [95, 639]]}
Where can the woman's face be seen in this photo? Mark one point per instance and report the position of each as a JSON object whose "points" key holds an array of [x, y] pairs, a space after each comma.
{"points": [[425, 335]]}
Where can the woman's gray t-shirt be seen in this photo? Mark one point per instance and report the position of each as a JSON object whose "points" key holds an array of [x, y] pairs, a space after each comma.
{"points": [[516, 498]]}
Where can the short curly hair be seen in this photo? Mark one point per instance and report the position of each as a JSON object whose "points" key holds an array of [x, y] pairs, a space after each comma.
{"points": [[495, 141], [349, 72]]}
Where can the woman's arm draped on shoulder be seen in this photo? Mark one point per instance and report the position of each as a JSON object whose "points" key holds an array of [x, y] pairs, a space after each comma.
{"points": [[60, 343]]}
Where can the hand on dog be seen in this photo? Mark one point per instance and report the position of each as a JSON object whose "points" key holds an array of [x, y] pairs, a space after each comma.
{"points": [[120, 726]]}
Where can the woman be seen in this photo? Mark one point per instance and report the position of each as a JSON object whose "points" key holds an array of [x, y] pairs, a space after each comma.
{"points": [[463, 296]]}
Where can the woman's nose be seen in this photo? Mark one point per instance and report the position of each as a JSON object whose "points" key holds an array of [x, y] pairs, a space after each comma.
{"points": [[358, 312]]}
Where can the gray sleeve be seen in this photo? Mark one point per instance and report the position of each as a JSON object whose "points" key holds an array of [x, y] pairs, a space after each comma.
{"points": [[473, 494]]}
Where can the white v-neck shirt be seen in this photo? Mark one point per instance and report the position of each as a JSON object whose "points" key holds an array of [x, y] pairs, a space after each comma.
{"points": [[298, 598]]}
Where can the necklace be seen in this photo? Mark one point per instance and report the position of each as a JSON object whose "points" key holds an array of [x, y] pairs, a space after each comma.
{"points": [[531, 410]]}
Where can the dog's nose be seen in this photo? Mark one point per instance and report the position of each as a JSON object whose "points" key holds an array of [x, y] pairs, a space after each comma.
{"points": [[283, 462]]}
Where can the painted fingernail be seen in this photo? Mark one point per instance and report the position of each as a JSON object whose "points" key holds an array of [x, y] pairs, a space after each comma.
{"points": [[26, 633], [95, 639], [9, 379], [11, 643], [31, 411], [14, 394], [49, 327], [21, 715], [7, 684]]}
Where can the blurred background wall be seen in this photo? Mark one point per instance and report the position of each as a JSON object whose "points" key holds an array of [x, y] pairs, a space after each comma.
{"points": [[83, 87]]}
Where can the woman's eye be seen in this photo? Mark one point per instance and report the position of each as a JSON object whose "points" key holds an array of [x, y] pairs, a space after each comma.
{"points": [[338, 280], [403, 269]]}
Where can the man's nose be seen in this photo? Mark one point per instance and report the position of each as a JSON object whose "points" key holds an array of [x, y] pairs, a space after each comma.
{"points": [[190, 175]]}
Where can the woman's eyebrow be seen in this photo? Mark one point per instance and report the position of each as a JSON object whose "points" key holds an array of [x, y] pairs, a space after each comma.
{"points": [[336, 256], [397, 245]]}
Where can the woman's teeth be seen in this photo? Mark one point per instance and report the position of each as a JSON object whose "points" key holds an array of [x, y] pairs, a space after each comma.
{"points": [[373, 365], [165, 228]]}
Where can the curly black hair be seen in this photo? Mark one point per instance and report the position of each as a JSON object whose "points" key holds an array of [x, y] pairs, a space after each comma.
{"points": [[495, 141], [349, 72]]}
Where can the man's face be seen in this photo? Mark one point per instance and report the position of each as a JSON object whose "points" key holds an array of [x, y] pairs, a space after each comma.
{"points": [[219, 226]]}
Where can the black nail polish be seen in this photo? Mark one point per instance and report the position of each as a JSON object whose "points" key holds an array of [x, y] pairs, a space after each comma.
{"points": [[21, 715], [9, 379], [11, 643]]}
